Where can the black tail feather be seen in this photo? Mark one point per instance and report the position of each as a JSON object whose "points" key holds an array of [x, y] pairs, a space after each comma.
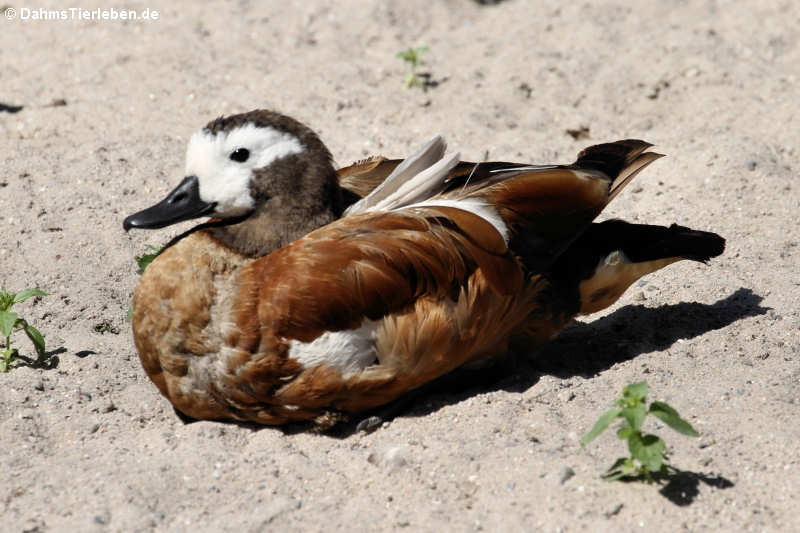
{"points": [[611, 158], [693, 244], [639, 243], [642, 242]]}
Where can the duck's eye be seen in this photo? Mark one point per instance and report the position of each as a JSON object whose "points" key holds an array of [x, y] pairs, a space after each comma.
{"points": [[240, 155]]}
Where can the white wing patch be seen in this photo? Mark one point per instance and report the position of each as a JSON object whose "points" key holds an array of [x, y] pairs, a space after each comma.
{"points": [[475, 206], [523, 168], [349, 351], [227, 182]]}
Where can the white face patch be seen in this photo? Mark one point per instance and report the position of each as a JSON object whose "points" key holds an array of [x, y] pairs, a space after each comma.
{"points": [[225, 181]]}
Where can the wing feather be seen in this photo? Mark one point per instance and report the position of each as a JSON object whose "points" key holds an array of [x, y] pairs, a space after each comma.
{"points": [[363, 176], [372, 265], [417, 178]]}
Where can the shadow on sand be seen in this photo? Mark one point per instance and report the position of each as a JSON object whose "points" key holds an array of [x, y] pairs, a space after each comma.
{"points": [[49, 361], [584, 349], [682, 487], [588, 348]]}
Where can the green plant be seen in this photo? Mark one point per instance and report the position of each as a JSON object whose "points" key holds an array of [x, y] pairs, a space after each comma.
{"points": [[143, 261], [11, 322], [413, 57], [647, 451]]}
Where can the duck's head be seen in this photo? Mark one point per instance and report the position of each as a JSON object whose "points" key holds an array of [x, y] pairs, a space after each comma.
{"points": [[260, 166]]}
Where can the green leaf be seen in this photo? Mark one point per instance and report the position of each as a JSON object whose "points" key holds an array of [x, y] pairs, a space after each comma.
{"points": [[621, 468], [7, 321], [36, 338], [670, 417], [648, 450], [601, 424], [624, 433], [613, 476], [636, 392], [635, 416], [412, 55], [144, 260], [28, 293], [6, 300]]}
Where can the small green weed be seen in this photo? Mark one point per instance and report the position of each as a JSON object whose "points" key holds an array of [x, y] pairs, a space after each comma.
{"points": [[11, 322], [648, 455], [143, 261], [413, 57]]}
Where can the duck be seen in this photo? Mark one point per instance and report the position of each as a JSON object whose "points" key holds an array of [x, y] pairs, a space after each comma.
{"points": [[312, 294]]}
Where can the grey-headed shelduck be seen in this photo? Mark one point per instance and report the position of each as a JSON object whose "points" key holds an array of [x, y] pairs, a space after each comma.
{"points": [[313, 292]]}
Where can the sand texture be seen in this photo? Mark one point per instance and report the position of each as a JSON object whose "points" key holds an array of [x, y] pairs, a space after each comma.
{"points": [[106, 110]]}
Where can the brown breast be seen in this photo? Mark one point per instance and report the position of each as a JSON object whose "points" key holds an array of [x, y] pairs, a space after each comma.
{"points": [[182, 307]]}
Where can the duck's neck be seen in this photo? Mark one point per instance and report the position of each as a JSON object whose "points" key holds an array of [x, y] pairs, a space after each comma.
{"points": [[282, 219]]}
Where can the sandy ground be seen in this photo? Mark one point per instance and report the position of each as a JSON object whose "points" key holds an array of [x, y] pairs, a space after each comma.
{"points": [[90, 445]]}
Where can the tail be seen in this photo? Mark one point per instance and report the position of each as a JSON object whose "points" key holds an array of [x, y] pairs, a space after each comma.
{"points": [[620, 160], [609, 256], [548, 208], [642, 242]]}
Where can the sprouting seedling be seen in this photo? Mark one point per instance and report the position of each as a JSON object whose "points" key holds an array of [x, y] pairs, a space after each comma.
{"points": [[11, 322], [647, 452], [144, 261], [413, 57]]}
